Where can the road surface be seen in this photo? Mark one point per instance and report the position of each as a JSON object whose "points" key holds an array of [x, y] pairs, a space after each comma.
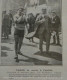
{"points": [[31, 55]]}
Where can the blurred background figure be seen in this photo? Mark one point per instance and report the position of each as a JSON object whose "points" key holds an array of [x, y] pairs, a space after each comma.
{"points": [[10, 21], [55, 20], [37, 15], [5, 25], [31, 22], [3, 14]]}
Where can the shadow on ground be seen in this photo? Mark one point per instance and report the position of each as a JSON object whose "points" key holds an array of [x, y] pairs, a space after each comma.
{"points": [[56, 45], [3, 40], [25, 44], [35, 61], [3, 54], [5, 48], [53, 55]]}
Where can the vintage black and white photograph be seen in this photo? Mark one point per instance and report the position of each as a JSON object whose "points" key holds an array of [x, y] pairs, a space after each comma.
{"points": [[31, 33]]}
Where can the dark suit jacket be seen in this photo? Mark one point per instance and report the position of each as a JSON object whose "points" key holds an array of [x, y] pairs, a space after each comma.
{"points": [[45, 26], [56, 23]]}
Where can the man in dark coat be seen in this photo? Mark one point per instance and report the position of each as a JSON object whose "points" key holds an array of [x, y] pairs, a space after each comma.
{"points": [[43, 31], [10, 20], [5, 25], [31, 22], [55, 20]]}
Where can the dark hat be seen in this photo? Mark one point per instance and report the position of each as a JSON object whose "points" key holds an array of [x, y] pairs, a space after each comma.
{"points": [[44, 9], [4, 11], [53, 12], [21, 9]]}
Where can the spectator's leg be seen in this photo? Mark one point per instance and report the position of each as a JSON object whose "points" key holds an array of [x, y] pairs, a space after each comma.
{"points": [[32, 39], [54, 39], [41, 43], [58, 40], [7, 33], [48, 36]]}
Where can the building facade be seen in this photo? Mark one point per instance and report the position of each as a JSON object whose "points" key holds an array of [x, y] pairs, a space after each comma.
{"points": [[15, 4]]}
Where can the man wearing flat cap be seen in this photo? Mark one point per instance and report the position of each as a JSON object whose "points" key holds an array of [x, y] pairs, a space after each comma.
{"points": [[55, 20]]}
